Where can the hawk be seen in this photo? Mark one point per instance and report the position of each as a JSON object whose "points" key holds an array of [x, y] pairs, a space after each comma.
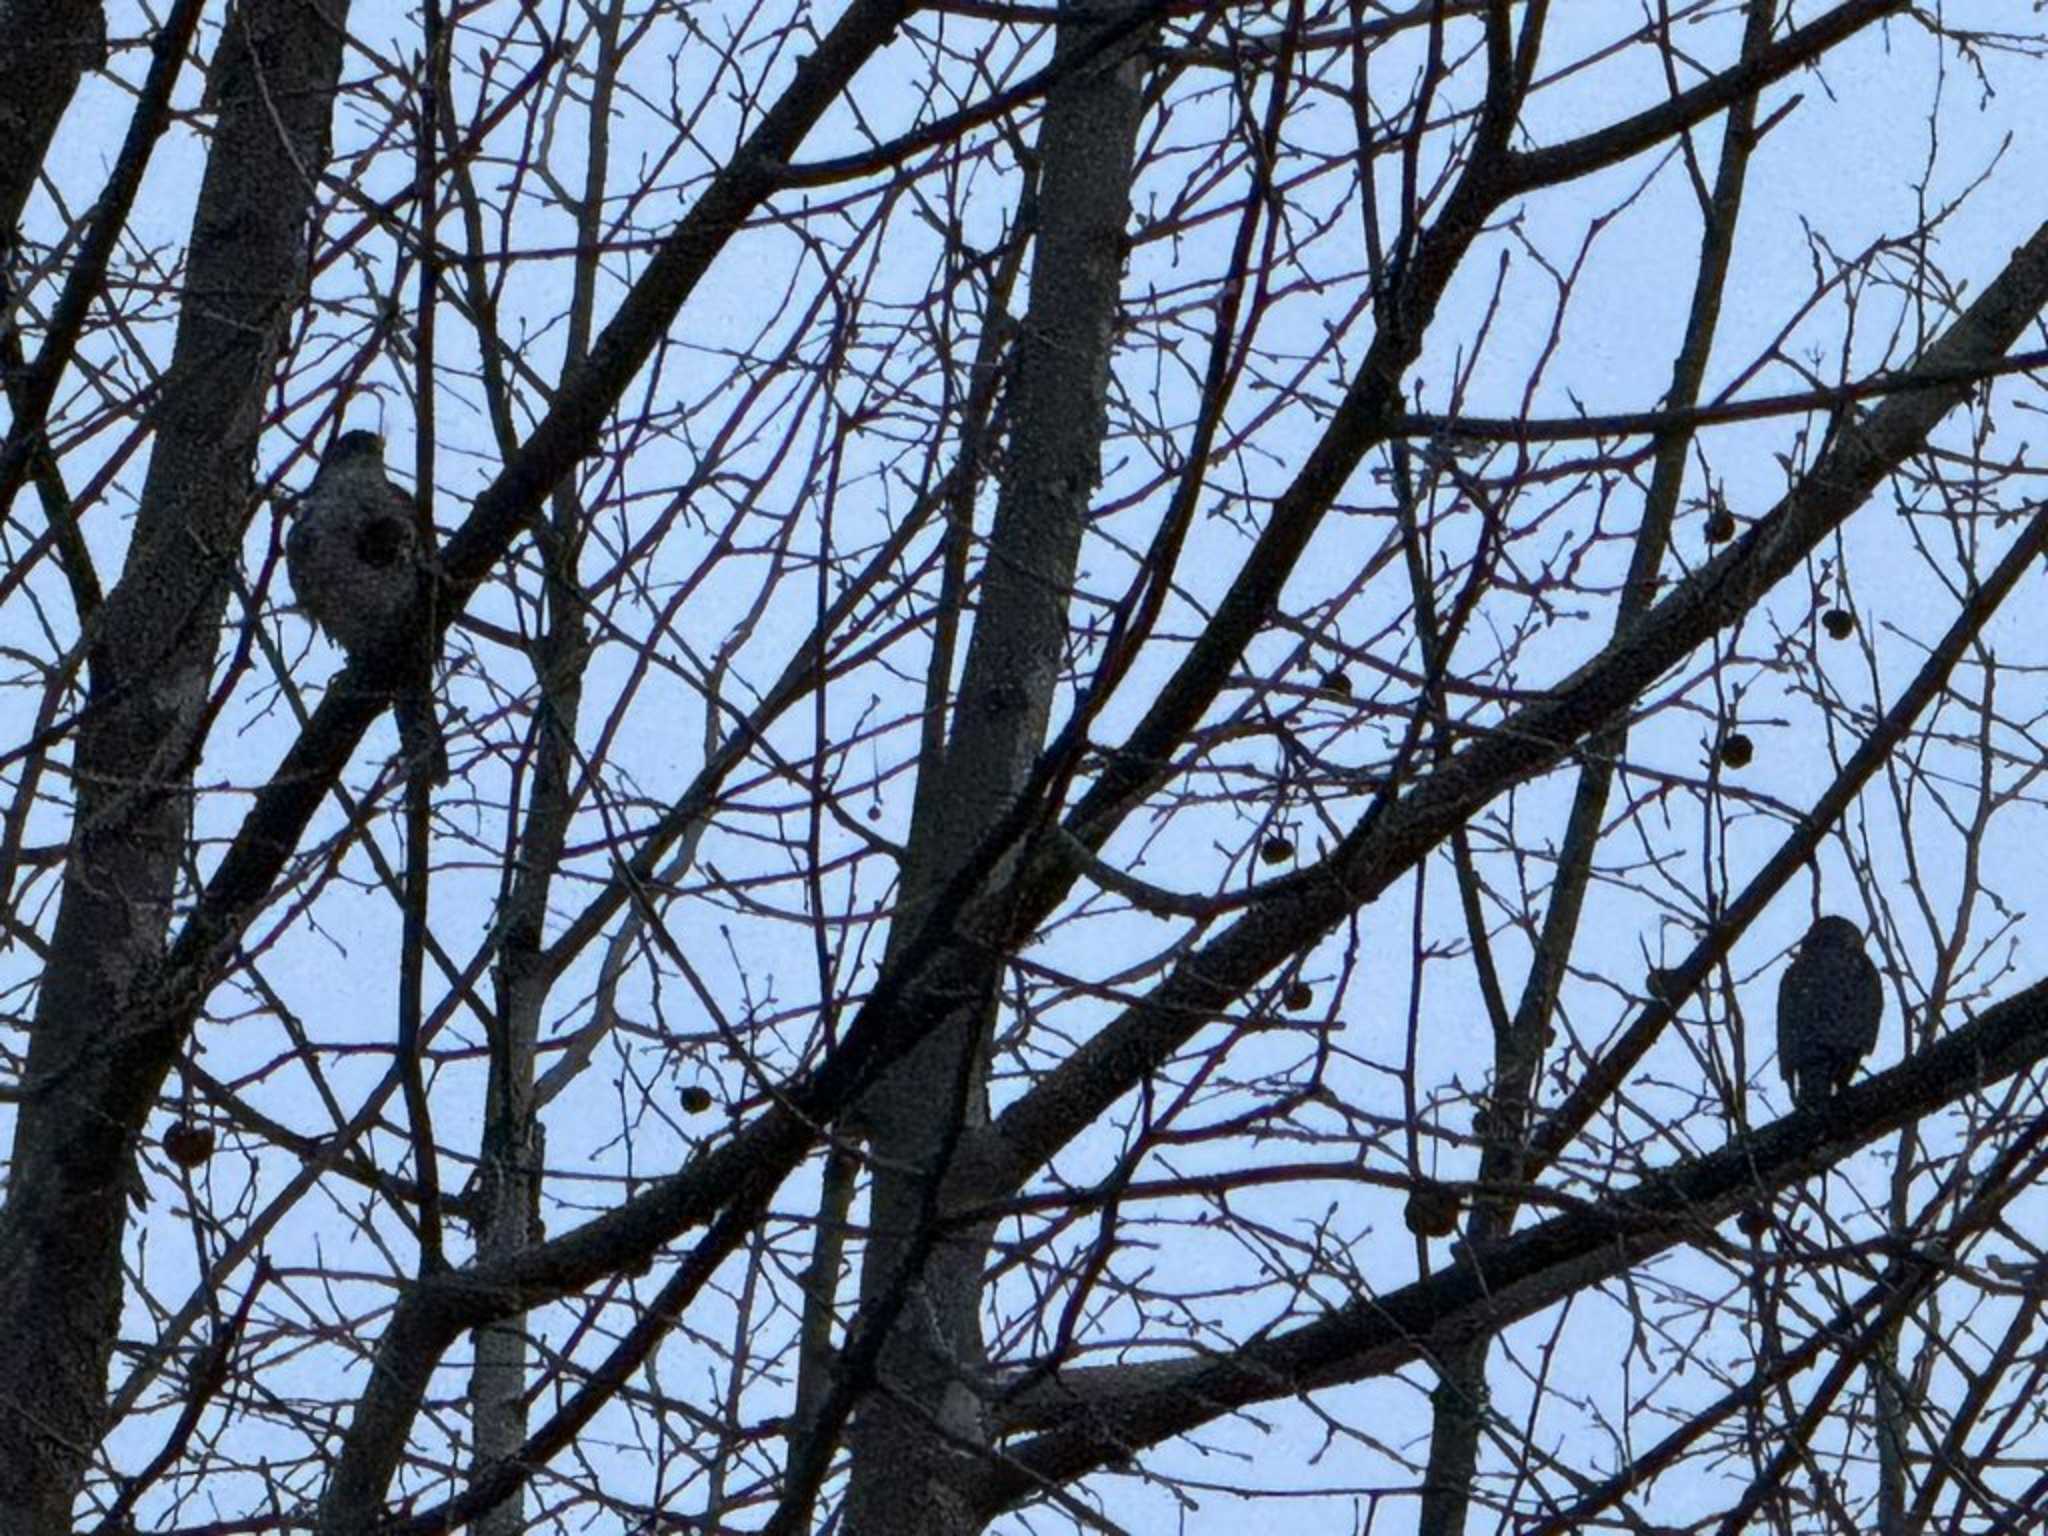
{"points": [[362, 567], [1829, 1004]]}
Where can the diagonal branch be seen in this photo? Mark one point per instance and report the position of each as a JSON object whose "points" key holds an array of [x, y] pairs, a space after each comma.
{"points": [[1372, 408], [563, 437], [1381, 849], [1109, 1414]]}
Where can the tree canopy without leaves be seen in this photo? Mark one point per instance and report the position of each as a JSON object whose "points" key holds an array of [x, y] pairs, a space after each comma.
{"points": [[1142, 700]]}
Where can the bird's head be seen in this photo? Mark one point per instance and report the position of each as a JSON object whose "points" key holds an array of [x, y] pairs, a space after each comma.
{"points": [[351, 446], [1832, 933]]}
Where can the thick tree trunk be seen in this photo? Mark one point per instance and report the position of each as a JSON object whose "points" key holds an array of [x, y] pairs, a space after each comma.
{"points": [[908, 1467], [50, 44], [153, 648]]}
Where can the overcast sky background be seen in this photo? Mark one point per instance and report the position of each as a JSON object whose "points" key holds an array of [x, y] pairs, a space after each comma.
{"points": [[1890, 130]]}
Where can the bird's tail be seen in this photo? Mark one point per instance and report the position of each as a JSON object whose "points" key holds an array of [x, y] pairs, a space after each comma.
{"points": [[419, 734]]}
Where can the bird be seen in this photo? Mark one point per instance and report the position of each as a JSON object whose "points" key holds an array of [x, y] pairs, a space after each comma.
{"points": [[1829, 1003], [362, 566]]}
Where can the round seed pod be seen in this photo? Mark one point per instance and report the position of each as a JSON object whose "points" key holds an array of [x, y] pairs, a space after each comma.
{"points": [[188, 1144], [1432, 1209]]}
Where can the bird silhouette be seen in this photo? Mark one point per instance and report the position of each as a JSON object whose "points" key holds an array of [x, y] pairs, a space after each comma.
{"points": [[1829, 1003], [361, 566]]}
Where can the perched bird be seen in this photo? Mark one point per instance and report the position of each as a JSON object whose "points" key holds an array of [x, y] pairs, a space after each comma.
{"points": [[1829, 1004], [361, 566]]}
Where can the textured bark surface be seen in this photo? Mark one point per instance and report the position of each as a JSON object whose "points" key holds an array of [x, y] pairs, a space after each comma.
{"points": [[908, 1466], [87, 1085], [50, 44]]}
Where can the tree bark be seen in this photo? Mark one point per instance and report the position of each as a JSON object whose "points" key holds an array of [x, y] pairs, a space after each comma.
{"points": [[152, 650], [50, 46], [908, 1435]]}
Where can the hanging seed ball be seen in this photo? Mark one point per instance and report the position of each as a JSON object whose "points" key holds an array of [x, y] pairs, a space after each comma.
{"points": [[1337, 681], [188, 1145], [1838, 622], [1737, 749], [1662, 983], [1720, 526], [874, 813], [695, 1099], [1276, 850], [1299, 997], [1432, 1209], [1754, 1223]]}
